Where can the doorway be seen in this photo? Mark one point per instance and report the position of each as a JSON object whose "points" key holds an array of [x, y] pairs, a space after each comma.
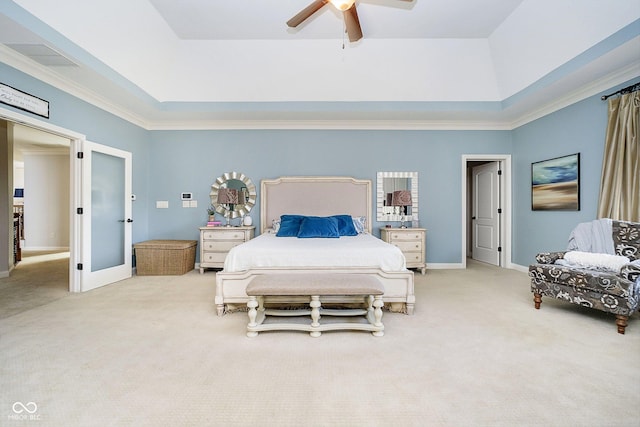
{"points": [[486, 209], [92, 177], [40, 161], [41, 164]]}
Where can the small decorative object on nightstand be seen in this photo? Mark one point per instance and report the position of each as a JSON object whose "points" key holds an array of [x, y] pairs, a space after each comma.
{"points": [[229, 198], [401, 199], [216, 242], [412, 243]]}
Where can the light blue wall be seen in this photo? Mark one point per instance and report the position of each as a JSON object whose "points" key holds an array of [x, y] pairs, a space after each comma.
{"points": [[167, 163], [99, 126], [578, 128], [191, 160]]}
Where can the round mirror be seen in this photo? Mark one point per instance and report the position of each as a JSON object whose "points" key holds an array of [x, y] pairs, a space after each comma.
{"points": [[233, 195]]}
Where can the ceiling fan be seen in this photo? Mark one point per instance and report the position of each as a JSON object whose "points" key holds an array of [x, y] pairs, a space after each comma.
{"points": [[348, 8]]}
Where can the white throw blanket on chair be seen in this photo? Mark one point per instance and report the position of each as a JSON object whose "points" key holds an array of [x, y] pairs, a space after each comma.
{"points": [[589, 260], [594, 236]]}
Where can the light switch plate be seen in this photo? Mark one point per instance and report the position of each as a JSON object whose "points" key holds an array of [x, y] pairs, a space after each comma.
{"points": [[162, 204]]}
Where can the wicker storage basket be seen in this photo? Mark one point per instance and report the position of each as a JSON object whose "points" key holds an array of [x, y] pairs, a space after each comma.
{"points": [[165, 257]]}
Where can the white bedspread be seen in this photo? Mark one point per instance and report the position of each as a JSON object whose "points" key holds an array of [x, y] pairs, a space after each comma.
{"points": [[267, 250]]}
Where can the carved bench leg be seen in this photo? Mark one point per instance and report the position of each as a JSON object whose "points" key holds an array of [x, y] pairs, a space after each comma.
{"points": [[315, 315], [368, 300], [251, 305], [621, 321], [377, 312], [537, 299]]}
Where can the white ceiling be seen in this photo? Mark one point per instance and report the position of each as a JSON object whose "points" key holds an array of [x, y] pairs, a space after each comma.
{"points": [[166, 64], [29, 140], [386, 19]]}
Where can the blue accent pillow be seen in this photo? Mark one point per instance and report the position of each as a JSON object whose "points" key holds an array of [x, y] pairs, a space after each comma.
{"points": [[289, 225], [316, 226], [345, 225]]}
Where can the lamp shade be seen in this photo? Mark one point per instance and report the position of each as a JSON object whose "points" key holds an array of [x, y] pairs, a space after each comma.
{"points": [[401, 198], [228, 196], [18, 192]]}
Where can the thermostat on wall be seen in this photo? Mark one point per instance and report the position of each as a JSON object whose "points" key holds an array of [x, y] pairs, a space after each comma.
{"points": [[186, 196]]}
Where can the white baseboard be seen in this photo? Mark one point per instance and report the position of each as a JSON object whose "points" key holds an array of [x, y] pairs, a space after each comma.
{"points": [[4, 274], [444, 265], [517, 267]]}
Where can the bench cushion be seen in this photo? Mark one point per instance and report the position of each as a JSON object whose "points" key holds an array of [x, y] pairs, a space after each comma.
{"points": [[314, 284]]}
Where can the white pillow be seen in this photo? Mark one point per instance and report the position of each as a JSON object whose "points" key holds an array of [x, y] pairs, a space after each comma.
{"points": [[595, 261], [360, 223]]}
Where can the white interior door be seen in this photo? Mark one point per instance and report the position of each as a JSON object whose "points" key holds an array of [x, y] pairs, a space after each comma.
{"points": [[485, 216], [106, 217]]}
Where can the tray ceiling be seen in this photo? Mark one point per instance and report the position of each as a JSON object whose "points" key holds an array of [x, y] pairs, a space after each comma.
{"points": [[425, 63]]}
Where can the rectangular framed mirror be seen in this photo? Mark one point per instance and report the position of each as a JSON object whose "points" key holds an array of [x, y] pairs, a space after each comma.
{"points": [[398, 183]]}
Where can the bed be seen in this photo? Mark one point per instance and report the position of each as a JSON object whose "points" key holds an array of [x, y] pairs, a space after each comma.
{"points": [[323, 196]]}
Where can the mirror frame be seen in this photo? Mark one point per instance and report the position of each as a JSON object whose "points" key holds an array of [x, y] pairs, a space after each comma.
{"points": [[380, 196], [239, 210]]}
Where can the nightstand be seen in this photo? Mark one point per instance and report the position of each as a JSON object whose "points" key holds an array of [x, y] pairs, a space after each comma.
{"points": [[216, 242], [412, 243]]}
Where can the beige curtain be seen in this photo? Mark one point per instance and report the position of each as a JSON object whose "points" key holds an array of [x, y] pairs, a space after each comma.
{"points": [[620, 181]]}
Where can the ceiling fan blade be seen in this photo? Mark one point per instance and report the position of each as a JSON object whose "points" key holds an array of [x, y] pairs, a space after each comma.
{"points": [[352, 23], [306, 13]]}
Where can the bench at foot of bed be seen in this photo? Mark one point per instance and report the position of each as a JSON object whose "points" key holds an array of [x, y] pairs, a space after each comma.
{"points": [[315, 286]]}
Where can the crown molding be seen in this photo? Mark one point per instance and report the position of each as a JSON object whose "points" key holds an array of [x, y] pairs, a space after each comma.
{"points": [[595, 87], [330, 125], [44, 74]]}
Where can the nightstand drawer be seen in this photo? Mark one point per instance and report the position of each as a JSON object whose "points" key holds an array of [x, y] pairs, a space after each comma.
{"points": [[224, 235], [413, 257], [405, 235], [415, 246], [217, 257], [224, 246]]}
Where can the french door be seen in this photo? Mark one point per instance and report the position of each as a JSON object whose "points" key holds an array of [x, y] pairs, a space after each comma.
{"points": [[105, 216]]}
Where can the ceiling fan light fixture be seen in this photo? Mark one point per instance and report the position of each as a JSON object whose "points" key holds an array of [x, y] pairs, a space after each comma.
{"points": [[342, 4]]}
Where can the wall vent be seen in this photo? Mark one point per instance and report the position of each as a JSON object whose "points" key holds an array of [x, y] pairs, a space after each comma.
{"points": [[42, 54]]}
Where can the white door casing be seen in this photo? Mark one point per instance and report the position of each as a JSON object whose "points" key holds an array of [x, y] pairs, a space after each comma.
{"points": [[80, 190], [485, 216], [506, 201]]}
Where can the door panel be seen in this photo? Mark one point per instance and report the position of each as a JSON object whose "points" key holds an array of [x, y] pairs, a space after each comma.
{"points": [[106, 221], [486, 220]]}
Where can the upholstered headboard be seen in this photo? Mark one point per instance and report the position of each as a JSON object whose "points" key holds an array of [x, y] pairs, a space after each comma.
{"points": [[314, 195]]}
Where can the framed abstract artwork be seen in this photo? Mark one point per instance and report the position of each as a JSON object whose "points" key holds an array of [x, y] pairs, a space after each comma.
{"points": [[555, 184]]}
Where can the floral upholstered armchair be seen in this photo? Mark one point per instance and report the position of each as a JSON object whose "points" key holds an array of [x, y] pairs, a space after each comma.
{"points": [[600, 269]]}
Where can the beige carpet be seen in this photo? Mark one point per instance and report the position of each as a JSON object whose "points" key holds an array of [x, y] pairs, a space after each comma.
{"points": [[150, 351], [40, 278]]}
